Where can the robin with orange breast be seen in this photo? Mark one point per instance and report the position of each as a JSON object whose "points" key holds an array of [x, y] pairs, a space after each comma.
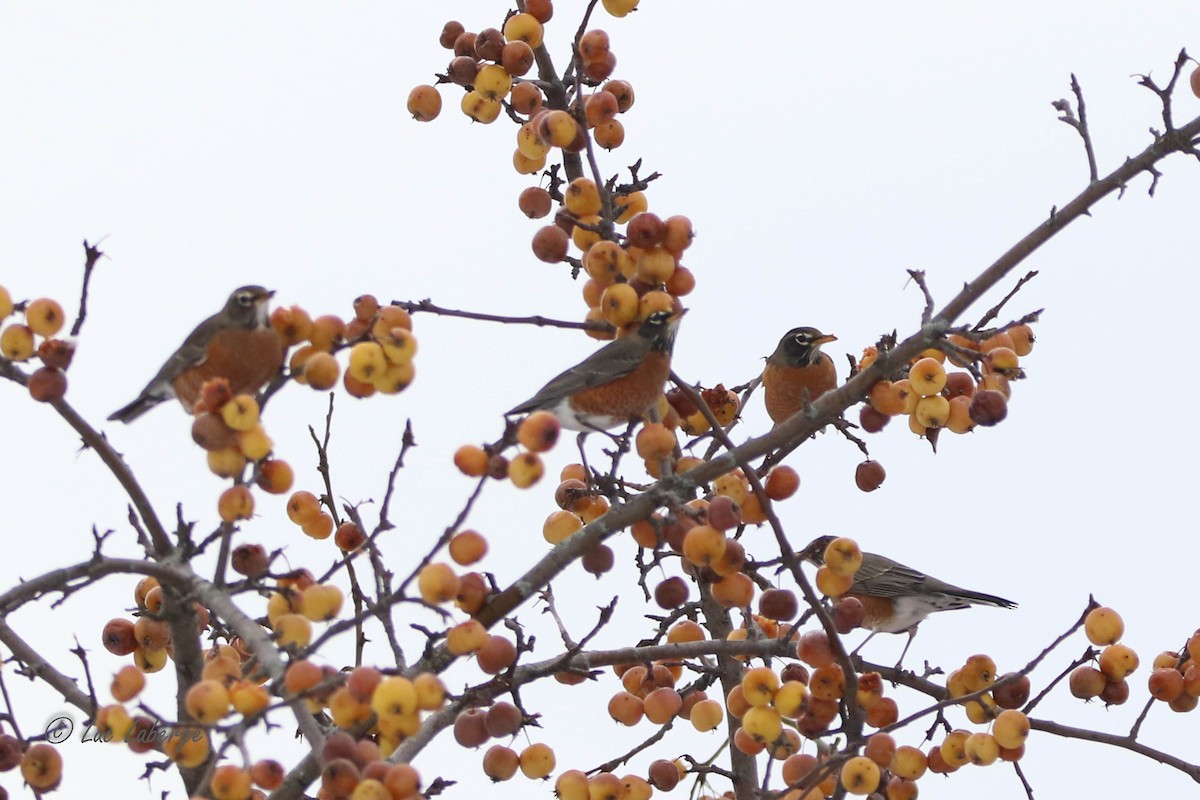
{"points": [[797, 372], [617, 384], [237, 343], [896, 598]]}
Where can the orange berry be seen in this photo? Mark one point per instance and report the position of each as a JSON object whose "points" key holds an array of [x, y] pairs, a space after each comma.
{"points": [[467, 547], [782, 482], [236, 503], [538, 432], [424, 103], [319, 528], [471, 460]]}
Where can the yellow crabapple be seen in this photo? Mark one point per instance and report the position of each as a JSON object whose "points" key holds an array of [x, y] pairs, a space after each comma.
{"points": [[1103, 626], [860, 776], [480, 108], [524, 27], [927, 377], [16, 342], [437, 583], [44, 316], [1011, 728], [982, 749], [619, 8], [293, 630], [493, 82], [843, 556], [763, 724], [207, 701], [582, 197]]}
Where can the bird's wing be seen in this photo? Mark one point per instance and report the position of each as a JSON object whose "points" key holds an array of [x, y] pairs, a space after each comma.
{"points": [[883, 577], [193, 351], [608, 363]]}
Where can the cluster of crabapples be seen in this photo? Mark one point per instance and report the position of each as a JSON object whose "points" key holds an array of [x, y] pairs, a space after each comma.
{"points": [[776, 709], [627, 280], [490, 66], [230, 430], [629, 276], [1104, 628], [148, 638], [722, 403], [657, 445], [385, 708], [380, 338], [356, 768], [934, 398], [1174, 678], [502, 720], [305, 510], [297, 602], [988, 699], [440, 584], [36, 338], [536, 434], [764, 701], [700, 533]]}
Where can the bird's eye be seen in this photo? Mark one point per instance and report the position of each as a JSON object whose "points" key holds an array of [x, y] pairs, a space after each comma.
{"points": [[244, 299]]}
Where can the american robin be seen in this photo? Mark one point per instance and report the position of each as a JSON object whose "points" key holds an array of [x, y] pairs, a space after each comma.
{"points": [[897, 598], [615, 385], [797, 372], [237, 343]]}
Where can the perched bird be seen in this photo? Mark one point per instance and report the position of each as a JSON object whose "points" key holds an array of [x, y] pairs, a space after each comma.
{"points": [[615, 385], [897, 598], [797, 372], [237, 343]]}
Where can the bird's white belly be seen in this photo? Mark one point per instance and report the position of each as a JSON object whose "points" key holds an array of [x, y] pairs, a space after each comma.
{"points": [[908, 611]]}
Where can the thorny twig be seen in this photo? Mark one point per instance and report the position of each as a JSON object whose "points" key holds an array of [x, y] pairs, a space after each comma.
{"points": [[995, 310]]}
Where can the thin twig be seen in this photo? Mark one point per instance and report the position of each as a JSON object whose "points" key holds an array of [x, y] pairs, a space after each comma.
{"points": [[92, 254], [542, 322], [995, 310], [1080, 124]]}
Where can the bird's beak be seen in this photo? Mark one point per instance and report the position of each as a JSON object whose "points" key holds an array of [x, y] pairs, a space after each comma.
{"points": [[675, 319], [812, 552], [829, 337]]}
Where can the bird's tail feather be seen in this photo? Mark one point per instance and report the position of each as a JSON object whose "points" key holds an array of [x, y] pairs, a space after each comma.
{"points": [[135, 409], [987, 599]]}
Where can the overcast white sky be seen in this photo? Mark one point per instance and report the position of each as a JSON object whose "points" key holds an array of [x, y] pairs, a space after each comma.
{"points": [[820, 150]]}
